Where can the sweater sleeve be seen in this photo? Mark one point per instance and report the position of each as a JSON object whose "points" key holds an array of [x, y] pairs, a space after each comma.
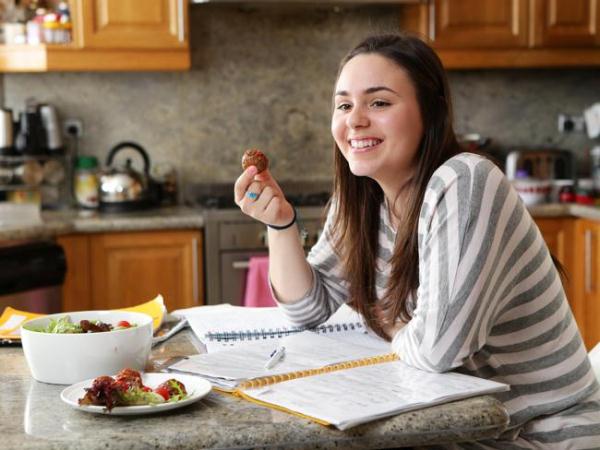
{"points": [[462, 218], [329, 288]]}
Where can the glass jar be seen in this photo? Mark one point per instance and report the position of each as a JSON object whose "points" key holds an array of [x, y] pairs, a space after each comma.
{"points": [[86, 182]]}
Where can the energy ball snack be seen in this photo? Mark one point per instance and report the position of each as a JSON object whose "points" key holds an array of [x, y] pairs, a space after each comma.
{"points": [[254, 157]]}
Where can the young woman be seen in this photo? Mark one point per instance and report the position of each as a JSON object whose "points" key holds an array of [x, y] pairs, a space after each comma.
{"points": [[434, 248]]}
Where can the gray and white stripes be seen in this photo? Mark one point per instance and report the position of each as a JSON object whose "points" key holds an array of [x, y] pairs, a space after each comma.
{"points": [[490, 303]]}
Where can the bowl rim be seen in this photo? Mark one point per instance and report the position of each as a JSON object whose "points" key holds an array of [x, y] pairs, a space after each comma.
{"points": [[143, 316]]}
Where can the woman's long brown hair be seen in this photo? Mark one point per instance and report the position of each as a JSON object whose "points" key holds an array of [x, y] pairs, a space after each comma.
{"points": [[358, 199]]}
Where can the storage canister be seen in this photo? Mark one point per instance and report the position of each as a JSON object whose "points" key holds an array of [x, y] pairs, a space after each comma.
{"points": [[86, 182]]}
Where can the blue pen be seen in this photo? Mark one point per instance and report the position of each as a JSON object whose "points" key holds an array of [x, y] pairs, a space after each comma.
{"points": [[275, 357]]}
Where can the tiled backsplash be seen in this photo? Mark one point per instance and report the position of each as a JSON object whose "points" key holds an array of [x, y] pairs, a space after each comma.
{"points": [[263, 78]]}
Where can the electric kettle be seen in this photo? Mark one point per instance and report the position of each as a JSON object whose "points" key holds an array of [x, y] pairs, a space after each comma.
{"points": [[122, 188]]}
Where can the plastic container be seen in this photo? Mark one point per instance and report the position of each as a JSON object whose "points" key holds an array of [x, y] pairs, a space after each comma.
{"points": [[86, 182], [533, 191]]}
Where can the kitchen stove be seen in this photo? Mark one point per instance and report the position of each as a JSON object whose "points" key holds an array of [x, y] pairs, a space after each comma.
{"points": [[231, 237]]}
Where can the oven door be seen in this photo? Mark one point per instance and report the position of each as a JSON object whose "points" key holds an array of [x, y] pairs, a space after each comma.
{"points": [[234, 268]]}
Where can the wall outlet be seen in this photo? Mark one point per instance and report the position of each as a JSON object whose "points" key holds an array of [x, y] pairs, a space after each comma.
{"points": [[568, 123], [73, 128]]}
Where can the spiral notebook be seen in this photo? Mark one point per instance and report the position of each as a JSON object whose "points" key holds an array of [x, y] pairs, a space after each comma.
{"points": [[225, 326], [318, 372]]}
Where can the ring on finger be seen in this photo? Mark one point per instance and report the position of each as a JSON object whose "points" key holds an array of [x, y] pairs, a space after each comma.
{"points": [[251, 195]]}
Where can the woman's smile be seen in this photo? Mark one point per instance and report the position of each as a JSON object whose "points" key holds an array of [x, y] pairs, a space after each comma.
{"points": [[364, 145]]}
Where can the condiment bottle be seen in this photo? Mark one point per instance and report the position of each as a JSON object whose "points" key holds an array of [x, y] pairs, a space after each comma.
{"points": [[86, 182]]}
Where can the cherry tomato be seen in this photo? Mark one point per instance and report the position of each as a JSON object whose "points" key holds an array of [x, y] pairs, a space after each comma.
{"points": [[162, 391], [124, 324]]}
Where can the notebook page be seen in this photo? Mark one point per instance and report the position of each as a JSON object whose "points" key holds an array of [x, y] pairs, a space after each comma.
{"points": [[225, 326], [306, 350], [377, 391]]}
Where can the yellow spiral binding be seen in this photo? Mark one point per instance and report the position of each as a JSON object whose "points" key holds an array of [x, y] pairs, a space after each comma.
{"points": [[273, 379]]}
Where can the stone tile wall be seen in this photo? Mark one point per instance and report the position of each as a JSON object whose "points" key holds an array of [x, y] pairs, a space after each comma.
{"points": [[263, 77]]}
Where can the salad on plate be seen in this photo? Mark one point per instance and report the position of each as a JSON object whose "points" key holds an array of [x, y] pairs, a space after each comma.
{"points": [[127, 389]]}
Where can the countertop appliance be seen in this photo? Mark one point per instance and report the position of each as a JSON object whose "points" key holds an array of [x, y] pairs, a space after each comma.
{"points": [[540, 163], [231, 237], [31, 276], [122, 188]]}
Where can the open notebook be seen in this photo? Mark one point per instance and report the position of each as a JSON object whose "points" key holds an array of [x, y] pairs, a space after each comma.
{"points": [[225, 326], [331, 381]]}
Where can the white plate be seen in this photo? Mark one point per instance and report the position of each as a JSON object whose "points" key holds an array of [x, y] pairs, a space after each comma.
{"points": [[196, 388]]}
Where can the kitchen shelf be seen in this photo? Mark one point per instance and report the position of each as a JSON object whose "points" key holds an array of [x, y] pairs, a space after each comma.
{"points": [[69, 57]]}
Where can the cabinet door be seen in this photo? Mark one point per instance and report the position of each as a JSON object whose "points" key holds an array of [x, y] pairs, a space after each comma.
{"points": [[76, 291], [131, 268], [588, 279], [559, 235], [479, 23], [133, 23], [566, 23]]}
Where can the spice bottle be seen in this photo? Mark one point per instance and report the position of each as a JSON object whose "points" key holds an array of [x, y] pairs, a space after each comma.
{"points": [[86, 182]]}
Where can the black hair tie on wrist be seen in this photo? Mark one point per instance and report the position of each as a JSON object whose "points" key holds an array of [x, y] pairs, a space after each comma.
{"points": [[283, 227]]}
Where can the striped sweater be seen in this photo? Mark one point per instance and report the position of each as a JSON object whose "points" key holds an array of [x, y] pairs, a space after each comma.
{"points": [[490, 303]]}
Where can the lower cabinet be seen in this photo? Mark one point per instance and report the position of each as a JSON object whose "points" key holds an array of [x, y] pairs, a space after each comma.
{"points": [[115, 270], [576, 244], [587, 278]]}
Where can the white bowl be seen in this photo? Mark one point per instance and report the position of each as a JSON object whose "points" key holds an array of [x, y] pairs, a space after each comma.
{"points": [[70, 358]]}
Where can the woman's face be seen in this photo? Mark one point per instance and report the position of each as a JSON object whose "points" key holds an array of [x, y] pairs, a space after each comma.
{"points": [[376, 120]]}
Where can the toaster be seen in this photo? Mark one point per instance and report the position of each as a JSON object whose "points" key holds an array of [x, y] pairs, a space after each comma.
{"points": [[544, 164]]}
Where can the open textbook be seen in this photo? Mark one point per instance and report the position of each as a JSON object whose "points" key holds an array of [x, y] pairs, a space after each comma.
{"points": [[225, 326], [330, 381]]}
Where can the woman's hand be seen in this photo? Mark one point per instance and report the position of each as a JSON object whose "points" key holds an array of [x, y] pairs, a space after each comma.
{"points": [[260, 197]]}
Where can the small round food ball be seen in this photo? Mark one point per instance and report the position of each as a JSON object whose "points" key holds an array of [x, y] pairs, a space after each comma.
{"points": [[254, 157]]}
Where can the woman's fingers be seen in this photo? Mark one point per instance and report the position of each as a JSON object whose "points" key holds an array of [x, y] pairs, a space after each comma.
{"points": [[242, 183]]}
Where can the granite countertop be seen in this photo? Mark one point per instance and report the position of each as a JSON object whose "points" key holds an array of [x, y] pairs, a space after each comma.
{"points": [[34, 417], [56, 223]]}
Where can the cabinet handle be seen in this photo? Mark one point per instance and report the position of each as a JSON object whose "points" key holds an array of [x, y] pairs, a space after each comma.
{"points": [[241, 265], [195, 270], [432, 20], [588, 261], [181, 20]]}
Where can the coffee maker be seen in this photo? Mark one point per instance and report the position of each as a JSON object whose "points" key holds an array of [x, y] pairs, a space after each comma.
{"points": [[38, 131]]}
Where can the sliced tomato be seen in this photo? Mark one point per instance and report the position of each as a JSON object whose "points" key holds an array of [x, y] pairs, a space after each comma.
{"points": [[124, 324], [163, 392]]}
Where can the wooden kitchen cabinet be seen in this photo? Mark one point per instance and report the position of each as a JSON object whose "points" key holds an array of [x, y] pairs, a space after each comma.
{"points": [[587, 278], [576, 244], [479, 23], [509, 33], [114, 270], [112, 35], [559, 235]]}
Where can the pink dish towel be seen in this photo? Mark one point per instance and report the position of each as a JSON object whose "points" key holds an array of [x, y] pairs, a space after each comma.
{"points": [[258, 292]]}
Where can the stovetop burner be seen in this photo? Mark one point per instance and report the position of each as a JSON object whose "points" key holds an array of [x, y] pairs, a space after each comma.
{"points": [[220, 195]]}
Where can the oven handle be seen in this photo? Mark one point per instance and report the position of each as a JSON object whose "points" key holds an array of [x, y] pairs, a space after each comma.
{"points": [[241, 265]]}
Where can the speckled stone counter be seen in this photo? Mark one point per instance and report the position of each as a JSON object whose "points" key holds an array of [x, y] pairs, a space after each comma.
{"points": [[55, 223], [34, 417], [566, 210]]}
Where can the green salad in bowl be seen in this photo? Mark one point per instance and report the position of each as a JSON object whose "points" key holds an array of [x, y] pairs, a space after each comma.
{"points": [[64, 325]]}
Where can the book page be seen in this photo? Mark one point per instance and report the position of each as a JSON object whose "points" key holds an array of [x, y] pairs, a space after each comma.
{"points": [[349, 397], [306, 350]]}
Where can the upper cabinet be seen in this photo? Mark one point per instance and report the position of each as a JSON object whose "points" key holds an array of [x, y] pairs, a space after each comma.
{"points": [[479, 23], [509, 33], [566, 23], [112, 35], [141, 24]]}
